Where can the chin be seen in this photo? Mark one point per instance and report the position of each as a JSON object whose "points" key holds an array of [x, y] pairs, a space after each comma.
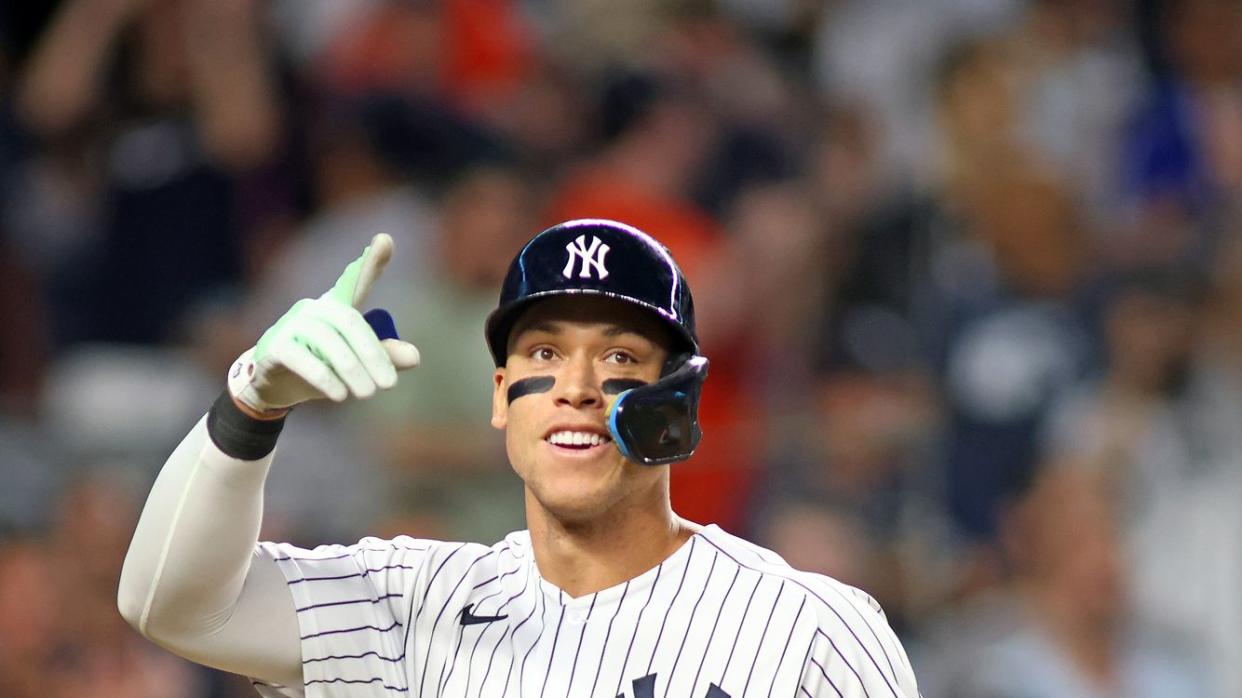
{"points": [[580, 488], [575, 504]]}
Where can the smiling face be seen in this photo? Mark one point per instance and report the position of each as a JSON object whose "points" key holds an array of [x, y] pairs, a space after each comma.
{"points": [[552, 397]]}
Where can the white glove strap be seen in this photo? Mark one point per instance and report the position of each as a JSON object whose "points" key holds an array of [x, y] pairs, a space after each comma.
{"points": [[241, 382]]}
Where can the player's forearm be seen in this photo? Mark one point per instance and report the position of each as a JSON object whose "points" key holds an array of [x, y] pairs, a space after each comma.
{"points": [[193, 580], [193, 544], [192, 547]]}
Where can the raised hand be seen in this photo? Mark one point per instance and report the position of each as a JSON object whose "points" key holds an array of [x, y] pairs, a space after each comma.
{"points": [[323, 347]]}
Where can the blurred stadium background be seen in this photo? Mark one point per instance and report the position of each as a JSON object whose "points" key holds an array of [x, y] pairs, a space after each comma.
{"points": [[969, 273]]}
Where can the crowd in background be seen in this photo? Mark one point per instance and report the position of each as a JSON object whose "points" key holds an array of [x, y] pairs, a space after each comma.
{"points": [[969, 274]]}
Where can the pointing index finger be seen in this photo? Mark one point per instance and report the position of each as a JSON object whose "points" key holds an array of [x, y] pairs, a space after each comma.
{"points": [[356, 281]]}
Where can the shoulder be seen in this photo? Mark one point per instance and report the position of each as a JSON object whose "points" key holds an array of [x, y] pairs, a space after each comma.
{"points": [[825, 596], [415, 569], [449, 555], [382, 554], [842, 625]]}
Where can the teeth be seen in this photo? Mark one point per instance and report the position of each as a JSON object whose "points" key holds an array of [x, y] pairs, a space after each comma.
{"points": [[577, 438]]}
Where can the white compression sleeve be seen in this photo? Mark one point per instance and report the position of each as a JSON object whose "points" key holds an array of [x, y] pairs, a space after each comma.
{"points": [[194, 581]]}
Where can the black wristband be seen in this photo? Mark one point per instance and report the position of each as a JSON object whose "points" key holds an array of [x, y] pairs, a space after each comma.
{"points": [[238, 434]]}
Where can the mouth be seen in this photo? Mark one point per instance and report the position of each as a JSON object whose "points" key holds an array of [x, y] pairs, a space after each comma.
{"points": [[577, 439]]}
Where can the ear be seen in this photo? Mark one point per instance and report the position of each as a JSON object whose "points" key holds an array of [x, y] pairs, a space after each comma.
{"points": [[500, 401]]}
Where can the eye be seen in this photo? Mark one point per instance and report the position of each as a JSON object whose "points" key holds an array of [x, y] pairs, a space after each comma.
{"points": [[621, 357], [542, 353]]}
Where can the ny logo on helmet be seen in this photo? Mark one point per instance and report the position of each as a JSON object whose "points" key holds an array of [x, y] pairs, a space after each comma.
{"points": [[592, 256]]}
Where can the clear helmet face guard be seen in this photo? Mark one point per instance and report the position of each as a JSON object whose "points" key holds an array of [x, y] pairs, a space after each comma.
{"points": [[658, 423]]}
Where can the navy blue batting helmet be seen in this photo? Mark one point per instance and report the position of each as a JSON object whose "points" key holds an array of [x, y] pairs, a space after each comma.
{"points": [[594, 257]]}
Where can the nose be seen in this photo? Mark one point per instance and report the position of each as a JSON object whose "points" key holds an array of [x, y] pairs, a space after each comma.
{"points": [[576, 386]]}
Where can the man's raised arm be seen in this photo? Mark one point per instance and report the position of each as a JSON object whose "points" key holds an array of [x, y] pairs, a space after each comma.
{"points": [[194, 580]]}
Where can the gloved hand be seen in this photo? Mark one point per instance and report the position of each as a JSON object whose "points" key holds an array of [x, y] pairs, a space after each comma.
{"points": [[323, 347]]}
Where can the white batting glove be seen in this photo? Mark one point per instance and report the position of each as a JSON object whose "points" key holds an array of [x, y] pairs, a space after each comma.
{"points": [[323, 347]]}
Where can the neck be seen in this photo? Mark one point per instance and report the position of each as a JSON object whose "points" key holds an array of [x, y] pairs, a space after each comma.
{"points": [[585, 557]]}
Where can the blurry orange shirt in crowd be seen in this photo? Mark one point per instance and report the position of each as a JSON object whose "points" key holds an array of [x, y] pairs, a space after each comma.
{"points": [[595, 192], [488, 50], [473, 52], [714, 485]]}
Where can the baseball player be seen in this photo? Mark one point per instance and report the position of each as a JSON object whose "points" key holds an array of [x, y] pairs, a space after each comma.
{"points": [[607, 593]]}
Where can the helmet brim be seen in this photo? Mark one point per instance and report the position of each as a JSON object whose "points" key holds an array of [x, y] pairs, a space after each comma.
{"points": [[500, 322]]}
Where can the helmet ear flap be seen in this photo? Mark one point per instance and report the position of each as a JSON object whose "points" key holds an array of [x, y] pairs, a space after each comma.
{"points": [[674, 362], [658, 423]]}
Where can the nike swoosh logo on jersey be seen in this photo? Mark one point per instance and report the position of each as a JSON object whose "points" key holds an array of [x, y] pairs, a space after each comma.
{"points": [[468, 618]]}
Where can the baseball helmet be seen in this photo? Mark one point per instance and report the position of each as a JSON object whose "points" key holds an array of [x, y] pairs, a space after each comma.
{"points": [[652, 424], [594, 257]]}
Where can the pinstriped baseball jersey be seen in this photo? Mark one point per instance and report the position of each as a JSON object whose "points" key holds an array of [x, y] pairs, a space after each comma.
{"points": [[720, 618]]}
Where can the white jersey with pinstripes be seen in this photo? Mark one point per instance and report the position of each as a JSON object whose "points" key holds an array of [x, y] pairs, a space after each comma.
{"points": [[720, 618]]}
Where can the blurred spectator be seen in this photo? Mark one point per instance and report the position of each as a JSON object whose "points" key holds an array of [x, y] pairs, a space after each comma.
{"points": [[152, 113], [375, 161], [1079, 76], [1005, 264], [546, 118], [60, 635], [1186, 571], [596, 34], [1183, 159], [1132, 423], [29, 619], [977, 280], [839, 493], [101, 655], [760, 285], [941, 249], [1185, 147], [776, 244], [472, 55], [434, 427], [1186, 567], [883, 54], [118, 401], [656, 138], [24, 350], [1013, 348], [490, 52], [1214, 390], [843, 168], [758, 115], [93, 523], [360, 151], [28, 469], [1072, 636]]}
